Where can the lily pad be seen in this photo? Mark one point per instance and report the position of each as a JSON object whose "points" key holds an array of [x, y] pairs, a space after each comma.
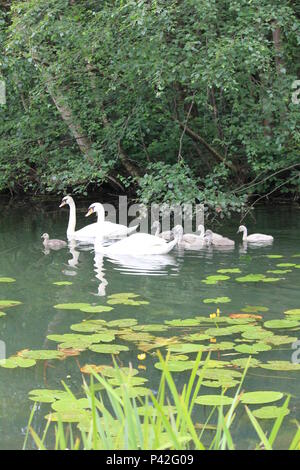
{"points": [[229, 271], [108, 348], [260, 397], [294, 311], [279, 271], [286, 265], [274, 256], [16, 361], [96, 309], [186, 348], [269, 412], [217, 300], [186, 322], [44, 395], [42, 355], [254, 309], [214, 400], [215, 279], [71, 306], [280, 365], [242, 362], [89, 326], [7, 279], [281, 324], [9, 303], [62, 283], [122, 322], [251, 278], [252, 349]]}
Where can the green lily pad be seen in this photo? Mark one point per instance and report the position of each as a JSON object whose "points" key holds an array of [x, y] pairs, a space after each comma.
{"points": [[294, 311], [242, 362], [214, 400], [197, 337], [71, 306], [42, 355], [251, 278], [176, 366], [229, 271], [254, 309], [108, 348], [17, 361], [71, 416], [186, 348], [278, 340], [2, 314], [62, 283], [215, 279], [274, 256], [89, 326], [280, 365], [252, 349], [217, 300], [286, 265], [279, 271], [281, 324], [151, 327], [96, 309], [122, 322], [272, 279], [9, 303], [269, 412], [43, 395], [125, 299], [222, 383], [70, 404], [257, 333], [186, 322], [256, 398], [7, 279]]}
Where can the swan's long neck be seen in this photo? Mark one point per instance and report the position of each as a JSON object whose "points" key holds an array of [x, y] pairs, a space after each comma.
{"points": [[100, 214], [72, 219], [245, 234], [157, 230], [201, 230]]}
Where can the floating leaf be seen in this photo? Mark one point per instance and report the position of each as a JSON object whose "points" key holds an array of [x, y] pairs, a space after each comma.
{"points": [[7, 279], [279, 271], [2, 314], [108, 348], [96, 309], [44, 395], [186, 322], [71, 306], [242, 362], [294, 311], [217, 300], [70, 404], [62, 283], [286, 265], [42, 354], [9, 303], [126, 299], [151, 327], [251, 278], [253, 398], [16, 361], [245, 315], [229, 271], [214, 400], [274, 256], [270, 412], [122, 322], [254, 309], [215, 279], [252, 349], [281, 324], [280, 365], [257, 333], [89, 326], [186, 348]]}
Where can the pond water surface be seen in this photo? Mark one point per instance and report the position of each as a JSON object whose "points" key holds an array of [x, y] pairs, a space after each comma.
{"points": [[171, 284]]}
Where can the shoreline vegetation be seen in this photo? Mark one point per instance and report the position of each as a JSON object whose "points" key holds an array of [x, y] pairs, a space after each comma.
{"points": [[167, 101], [166, 420]]}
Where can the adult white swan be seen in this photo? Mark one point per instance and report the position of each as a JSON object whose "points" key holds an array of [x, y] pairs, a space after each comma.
{"points": [[254, 237], [108, 229], [137, 244], [89, 232]]}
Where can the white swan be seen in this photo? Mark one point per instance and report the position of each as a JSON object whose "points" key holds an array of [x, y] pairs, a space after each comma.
{"points": [[108, 229], [137, 244], [254, 237], [222, 241], [189, 241], [167, 235], [86, 233]]}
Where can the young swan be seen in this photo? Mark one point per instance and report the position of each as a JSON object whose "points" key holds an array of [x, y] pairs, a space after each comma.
{"points": [[255, 237], [223, 241], [167, 235], [53, 244], [189, 240]]}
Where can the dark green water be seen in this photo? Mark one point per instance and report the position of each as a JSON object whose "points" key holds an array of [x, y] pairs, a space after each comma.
{"points": [[171, 284]]}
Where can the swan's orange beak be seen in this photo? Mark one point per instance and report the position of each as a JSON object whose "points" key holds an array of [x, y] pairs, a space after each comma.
{"points": [[63, 203], [89, 212]]}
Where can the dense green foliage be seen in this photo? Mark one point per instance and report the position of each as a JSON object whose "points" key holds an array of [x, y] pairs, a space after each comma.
{"points": [[188, 96]]}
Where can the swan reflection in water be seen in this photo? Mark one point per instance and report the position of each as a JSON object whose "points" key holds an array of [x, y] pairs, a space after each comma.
{"points": [[244, 246], [144, 265], [100, 270]]}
